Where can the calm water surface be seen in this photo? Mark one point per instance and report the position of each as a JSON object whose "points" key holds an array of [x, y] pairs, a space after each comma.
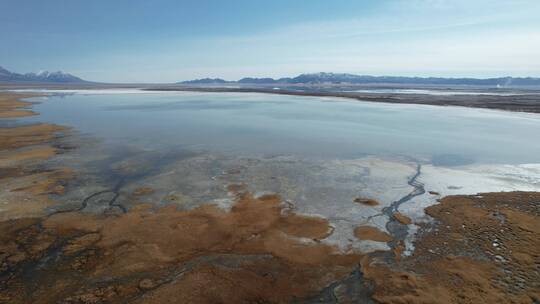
{"points": [[245, 124]]}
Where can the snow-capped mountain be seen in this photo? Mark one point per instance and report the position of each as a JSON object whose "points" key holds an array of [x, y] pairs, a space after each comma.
{"points": [[4, 73], [42, 76]]}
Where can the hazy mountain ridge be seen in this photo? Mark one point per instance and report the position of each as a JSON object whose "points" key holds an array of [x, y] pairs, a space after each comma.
{"points": [[362, 79], [206, 81], [43, 76]]}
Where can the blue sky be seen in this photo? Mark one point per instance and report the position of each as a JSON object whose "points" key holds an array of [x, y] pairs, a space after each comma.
{"points": [[166, 41]]}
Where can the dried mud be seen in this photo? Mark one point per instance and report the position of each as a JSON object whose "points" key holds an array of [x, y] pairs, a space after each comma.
{"points": [[484, 249], [26, 185], [366, 201], [11, 106], [371, 233], [184, 256], [403, 219]]}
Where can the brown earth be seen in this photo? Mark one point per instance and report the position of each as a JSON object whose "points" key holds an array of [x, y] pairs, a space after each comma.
{"points": [[366, 201], [203, 255], [10, 105], [405, 220], [28, 135], [8, 158], [484, 249], [141, 191], [371, 233], [25, 184]]}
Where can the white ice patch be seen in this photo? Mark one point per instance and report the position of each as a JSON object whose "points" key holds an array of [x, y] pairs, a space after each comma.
{"points": [[466, 180], [384, 180], [223, 203]]}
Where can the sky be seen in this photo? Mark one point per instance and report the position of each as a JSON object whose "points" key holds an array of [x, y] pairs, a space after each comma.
{"points": [[169, 41]]}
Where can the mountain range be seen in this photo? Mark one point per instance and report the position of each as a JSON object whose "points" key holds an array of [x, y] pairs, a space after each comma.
{"points": [[44, 76], [341, 78], [315, 78]]}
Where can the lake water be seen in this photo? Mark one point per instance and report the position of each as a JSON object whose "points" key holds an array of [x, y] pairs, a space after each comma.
{"points": [[249, 123]]}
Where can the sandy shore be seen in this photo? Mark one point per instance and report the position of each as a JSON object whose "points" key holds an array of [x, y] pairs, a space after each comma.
{"points": [[259, 247]]}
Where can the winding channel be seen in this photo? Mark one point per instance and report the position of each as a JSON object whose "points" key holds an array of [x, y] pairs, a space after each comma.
{"points": [[398, 232], [394, 227], [111, 203]]}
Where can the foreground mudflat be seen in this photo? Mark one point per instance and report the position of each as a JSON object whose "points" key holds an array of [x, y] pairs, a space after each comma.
{"points": [[26, 184], [483, 249], [197, 228], [251, 253]]}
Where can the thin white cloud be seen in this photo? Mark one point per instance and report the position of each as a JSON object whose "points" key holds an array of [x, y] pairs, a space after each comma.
{"points": [[415, 37]]}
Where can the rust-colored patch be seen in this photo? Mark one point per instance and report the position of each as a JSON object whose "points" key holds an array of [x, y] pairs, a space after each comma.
{"points": [[257, 244], [27, 135], [366, 201], [371, 233], [305, 226], [405, 220], [485, 249], [10, 105], [236, 188], [12, 158], [140, 191], [26, 186], [27, 194], [461, 280]]}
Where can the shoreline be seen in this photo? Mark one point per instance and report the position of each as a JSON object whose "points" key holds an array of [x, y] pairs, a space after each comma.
{"points": [[149, 254], [44, 251], [23, 148], [516, 103], [524, 102]]}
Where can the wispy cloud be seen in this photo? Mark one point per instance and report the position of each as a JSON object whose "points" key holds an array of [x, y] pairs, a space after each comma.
{"points": [[481, 38]]}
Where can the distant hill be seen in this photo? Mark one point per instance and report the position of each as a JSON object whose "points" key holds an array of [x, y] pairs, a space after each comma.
{"points": [[341, 78], [257, 80], [45, 76], [351, 78], [205, 81]]}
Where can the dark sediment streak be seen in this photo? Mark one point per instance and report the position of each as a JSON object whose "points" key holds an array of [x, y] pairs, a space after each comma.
{"points": [[85, 201], [354, 283], [516, 103], [395, 228]]}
